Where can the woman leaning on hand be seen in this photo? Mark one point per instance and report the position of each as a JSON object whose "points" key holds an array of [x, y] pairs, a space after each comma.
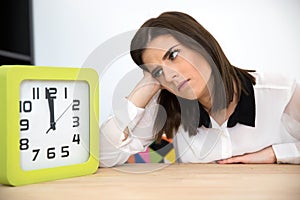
{"points": [[214, 111]]}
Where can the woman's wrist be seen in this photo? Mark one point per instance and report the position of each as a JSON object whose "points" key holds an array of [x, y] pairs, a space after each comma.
{"points": [[144, 91], [141, 96]]}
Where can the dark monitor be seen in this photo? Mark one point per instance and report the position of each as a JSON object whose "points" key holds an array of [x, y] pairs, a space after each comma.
{"points": [[16, 34]]}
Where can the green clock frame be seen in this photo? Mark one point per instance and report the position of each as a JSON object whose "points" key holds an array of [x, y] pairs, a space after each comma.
{"points": [[11, 77]]}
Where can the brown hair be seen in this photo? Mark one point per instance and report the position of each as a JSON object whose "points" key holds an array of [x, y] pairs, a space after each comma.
{"points": [[193, 35]]}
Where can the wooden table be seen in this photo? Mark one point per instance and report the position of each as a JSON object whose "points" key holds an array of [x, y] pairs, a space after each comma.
{"points": [[175, 181]]}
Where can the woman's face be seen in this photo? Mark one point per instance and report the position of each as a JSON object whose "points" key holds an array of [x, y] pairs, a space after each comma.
{"points": [[180, 70]]}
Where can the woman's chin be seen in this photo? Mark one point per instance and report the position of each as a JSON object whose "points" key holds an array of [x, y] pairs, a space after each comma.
{"points": [[189, 96]]}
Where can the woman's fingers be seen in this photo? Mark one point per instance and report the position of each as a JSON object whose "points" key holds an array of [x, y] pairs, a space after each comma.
{"points": [[265, 156]]}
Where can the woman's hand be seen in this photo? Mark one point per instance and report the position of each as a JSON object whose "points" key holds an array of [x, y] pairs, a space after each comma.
{"points": [[148, 79], [144, 90], [264, 156]]}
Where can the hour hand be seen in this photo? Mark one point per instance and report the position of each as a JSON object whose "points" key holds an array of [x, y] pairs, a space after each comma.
{"points": [[51, 111]]}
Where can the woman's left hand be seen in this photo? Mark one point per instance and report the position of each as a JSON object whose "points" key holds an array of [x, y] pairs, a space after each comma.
{"points": [[264, 156]]}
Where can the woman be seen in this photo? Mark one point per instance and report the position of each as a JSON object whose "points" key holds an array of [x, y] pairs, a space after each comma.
{"points": [[190, 92]]}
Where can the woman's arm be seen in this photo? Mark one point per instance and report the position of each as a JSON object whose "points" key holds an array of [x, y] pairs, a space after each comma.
{"points": [[290, 152], [280, 153], [144, 90], [129, 130], [265, 156]]}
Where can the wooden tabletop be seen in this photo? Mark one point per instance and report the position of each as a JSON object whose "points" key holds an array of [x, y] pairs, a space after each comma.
{"points": [[175, 181]]}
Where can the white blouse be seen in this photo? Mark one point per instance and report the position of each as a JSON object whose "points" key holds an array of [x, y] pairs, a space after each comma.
{"points": [[275, 126]]}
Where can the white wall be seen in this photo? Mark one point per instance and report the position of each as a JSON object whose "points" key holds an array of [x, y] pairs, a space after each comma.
{"points": [[255, 34]]}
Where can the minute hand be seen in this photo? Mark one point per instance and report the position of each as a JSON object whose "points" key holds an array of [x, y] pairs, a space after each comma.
{"points": [[60, 116], [51, 110]]}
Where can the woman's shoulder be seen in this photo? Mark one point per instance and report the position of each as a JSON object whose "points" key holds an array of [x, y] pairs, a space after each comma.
{"points": [[273, 80], [274, 84]]}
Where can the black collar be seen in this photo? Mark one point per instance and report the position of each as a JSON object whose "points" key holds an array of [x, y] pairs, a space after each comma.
{"points": [[244, 112]]}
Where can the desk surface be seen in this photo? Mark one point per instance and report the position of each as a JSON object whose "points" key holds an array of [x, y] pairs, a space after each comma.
{"points": [[175, 181]]}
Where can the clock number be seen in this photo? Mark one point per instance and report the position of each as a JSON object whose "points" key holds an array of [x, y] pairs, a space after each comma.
{"points": [[76, 104], [76, 121], [51, 153], [24, 124], [51, 93], [65, 152], [35, 93], [66, 93], [25, 106], [36, 151], [24, 144], [76, 138]]}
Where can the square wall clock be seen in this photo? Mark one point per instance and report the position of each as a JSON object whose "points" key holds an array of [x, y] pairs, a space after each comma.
{"points": [[48, 123]]}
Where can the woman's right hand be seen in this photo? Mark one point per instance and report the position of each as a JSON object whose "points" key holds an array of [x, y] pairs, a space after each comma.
{"points": [[144, 90]]}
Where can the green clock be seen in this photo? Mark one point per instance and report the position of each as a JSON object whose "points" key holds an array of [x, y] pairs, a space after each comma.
{"points": [[48, 123]]}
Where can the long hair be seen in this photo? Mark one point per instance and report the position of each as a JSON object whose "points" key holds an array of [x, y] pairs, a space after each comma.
{"points": [[225, 77]]}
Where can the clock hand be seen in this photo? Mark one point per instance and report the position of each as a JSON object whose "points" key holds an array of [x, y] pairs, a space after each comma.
{"points": [[64, 112], [60, 116], [51, 110]]}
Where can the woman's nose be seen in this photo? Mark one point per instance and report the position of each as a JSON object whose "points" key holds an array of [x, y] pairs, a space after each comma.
{"points": [[169, 73]]}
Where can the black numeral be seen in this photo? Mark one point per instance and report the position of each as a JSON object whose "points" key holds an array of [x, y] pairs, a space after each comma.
{"points": [[66, 93], [76, 138], [36, 151], [76, 104], [35, 93], [76, 121], [25, 106], [24, 144], [51, 93], [65, 152], [51, 153], [24, 124]]}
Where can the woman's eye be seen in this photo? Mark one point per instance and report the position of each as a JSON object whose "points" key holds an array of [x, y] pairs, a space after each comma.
{"points": [[157, 73], [173, 54]]}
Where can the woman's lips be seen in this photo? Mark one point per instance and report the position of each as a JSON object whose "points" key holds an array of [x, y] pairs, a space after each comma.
{"points": [[182, 84]]}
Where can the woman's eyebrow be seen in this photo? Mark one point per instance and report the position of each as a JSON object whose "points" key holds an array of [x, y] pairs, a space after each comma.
{"points": [[155, 69], [168, 52]]}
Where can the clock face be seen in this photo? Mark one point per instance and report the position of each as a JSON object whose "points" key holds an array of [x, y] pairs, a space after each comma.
{"points": [[54, 123]]}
